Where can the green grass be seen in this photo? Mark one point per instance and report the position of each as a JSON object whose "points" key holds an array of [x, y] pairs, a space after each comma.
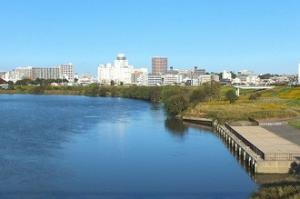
{"points": [[279, 103], [295, 123], [282, 190]]}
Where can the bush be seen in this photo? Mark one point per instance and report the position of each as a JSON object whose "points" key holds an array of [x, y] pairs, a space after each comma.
{"points": [[231, 96], [212, 89], [176, 104], [198, 95], [254, 96]]}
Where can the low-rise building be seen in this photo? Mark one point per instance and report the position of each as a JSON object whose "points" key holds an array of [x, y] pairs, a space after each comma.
{"points": [[170, 79], [154, 80], [86, 79], [204, 79], [140, 77]]}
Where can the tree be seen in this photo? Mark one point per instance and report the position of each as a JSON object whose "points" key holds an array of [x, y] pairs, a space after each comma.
{"points": [[176, 104], [112, 82], [91, 90], [198, 95], [233, 75], [231, 96], [11, 85], [212, 89]]}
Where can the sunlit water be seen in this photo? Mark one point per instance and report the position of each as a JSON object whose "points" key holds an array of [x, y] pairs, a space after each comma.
{"points": [[81, 147]]}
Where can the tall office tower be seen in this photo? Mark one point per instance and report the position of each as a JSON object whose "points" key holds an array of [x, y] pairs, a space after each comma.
{"points": [[66, 71], [159, 65]]}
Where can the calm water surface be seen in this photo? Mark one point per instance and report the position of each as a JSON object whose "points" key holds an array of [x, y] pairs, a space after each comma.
{"points": [[81, 147]]}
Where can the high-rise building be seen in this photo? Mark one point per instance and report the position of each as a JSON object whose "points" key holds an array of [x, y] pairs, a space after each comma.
{"points": [[159, 65], [118, 72], [66, 71]]}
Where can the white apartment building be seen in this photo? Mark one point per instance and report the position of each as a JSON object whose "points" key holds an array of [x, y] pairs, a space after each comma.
{"points": [[11, 76], [226, 75], [246, 77], [204, 79], [2, 75], [23, 73], [45, 73], [154, 80], [140, 77], [66, 71], [170, 79], [119, 72], [215, 77]]}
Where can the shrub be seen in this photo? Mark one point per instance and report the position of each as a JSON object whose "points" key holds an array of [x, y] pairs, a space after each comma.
{"points": [[231, 96], [198, 95], [176, 104], [254, 96]]}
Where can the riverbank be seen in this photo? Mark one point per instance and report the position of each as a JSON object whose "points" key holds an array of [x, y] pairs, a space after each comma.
{"points": [[280, 103], [206, 101]]}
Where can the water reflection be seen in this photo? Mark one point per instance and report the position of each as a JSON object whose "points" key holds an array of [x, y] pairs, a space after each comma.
{"points": [[119, 147], [176, 127]]}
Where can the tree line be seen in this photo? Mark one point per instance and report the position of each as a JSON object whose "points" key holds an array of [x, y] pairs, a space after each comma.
{"points": [[176, 99]]}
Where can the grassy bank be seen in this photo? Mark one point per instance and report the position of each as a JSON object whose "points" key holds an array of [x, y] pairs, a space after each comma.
{"points": [[278, 103], [280, 190], [295, 123]]}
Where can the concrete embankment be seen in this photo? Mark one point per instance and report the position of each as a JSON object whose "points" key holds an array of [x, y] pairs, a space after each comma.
{"points": [[197, 120], [260, 149]]}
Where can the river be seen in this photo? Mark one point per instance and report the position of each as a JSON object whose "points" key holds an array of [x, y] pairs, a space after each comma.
{"points": [[83, 147]]}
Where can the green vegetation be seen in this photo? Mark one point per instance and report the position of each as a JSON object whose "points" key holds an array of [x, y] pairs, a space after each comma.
{"points": [[209, 100], [255, 96], [277, 103], [281, 190], [295, 123], [176, 104], [231, 96]]}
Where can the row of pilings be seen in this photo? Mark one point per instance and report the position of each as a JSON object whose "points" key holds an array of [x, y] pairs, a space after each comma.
{"points": [[239, 149]]}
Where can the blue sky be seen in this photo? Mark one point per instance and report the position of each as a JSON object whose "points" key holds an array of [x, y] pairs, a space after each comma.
{"points": [[261, 35]]}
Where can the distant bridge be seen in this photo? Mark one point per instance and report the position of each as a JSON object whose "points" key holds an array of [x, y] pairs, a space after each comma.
{"points": [[252, 88]]}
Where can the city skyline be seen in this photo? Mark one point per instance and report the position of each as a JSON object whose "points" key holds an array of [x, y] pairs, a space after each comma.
{"points": [[259, 36], [149, 67]]}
